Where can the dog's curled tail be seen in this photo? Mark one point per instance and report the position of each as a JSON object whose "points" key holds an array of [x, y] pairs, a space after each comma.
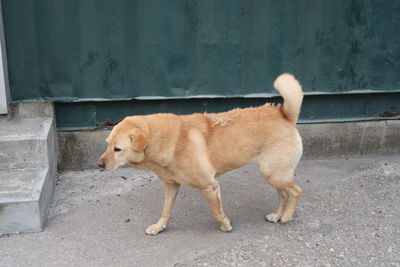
{"points": [[290, 89]]}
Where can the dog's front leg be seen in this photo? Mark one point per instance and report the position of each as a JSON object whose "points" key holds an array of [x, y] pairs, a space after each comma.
{"points": [[170, 193], [212, 194]]}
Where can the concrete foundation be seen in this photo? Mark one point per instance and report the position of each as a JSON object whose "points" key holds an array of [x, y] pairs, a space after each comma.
{"points": [[81, 149], [336, 140]]}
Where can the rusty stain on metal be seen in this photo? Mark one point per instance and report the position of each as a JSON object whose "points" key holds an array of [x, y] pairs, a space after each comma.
{"points": [[106, 123], [386, 113]]}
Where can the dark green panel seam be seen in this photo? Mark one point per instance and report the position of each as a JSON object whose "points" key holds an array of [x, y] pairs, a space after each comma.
{"points": [[315, 109], [150, 98]]}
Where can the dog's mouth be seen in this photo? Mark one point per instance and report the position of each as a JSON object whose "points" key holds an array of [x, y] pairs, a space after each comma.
{"points": [[103, 165], [116, 166]]}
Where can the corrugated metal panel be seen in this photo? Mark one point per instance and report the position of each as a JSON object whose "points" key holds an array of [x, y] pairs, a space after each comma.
{"points": [[70, 50]]}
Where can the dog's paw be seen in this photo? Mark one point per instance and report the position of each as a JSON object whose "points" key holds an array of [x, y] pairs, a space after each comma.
{"points": [[154, 229], [286, 219], [273, 217], [226, 226]]}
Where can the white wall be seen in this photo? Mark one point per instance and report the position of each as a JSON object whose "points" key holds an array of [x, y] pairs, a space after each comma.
{"points": [[4, 86]]}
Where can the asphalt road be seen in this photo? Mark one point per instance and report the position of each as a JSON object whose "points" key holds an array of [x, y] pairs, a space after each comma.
{"points": [[348, 216]]}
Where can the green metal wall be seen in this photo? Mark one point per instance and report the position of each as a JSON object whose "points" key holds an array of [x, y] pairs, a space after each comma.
{"points": [[94, 50]]}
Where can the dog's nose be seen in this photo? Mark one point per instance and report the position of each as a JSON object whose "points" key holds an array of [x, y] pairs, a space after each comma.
{"points": [[101, 163]]}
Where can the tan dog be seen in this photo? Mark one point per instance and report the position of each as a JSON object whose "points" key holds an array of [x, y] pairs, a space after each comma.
{"points": [[193, 150]]}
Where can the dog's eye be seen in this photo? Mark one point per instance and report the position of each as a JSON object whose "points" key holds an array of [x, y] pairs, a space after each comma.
{"points": [[117, 149]]}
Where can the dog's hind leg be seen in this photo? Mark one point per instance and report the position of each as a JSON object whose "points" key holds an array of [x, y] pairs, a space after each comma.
{"points": [[279, 172], [277, 215], [289, 194], [294, 193], [170, 192], [212, 194]]}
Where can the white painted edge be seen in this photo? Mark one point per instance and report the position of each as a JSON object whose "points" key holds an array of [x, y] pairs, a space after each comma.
{"points": [[4, 85]]}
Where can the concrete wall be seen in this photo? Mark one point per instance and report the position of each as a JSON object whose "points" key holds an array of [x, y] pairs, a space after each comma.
{"points": [[351, 139], [80, 150]]}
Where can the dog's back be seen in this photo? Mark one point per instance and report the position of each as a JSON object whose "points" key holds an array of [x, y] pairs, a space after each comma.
{"points": [[239, 136]]}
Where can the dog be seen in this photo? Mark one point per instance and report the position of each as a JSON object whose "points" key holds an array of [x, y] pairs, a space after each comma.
{"points": [[192, 150]]}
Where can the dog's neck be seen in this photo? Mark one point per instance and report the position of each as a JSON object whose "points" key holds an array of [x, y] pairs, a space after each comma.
{"points": [[162, 138], [154, 160], [161, 171]]}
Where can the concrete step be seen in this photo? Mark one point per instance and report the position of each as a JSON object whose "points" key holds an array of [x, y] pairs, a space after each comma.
{"points": [[28, 167], [24, 143], [24, 198]]}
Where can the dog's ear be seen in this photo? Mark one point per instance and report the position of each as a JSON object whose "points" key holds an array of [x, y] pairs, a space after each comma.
{"points": [[139, 140]]}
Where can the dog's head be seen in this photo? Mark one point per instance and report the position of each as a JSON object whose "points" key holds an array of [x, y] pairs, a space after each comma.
{"points": [[125, 144]]}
